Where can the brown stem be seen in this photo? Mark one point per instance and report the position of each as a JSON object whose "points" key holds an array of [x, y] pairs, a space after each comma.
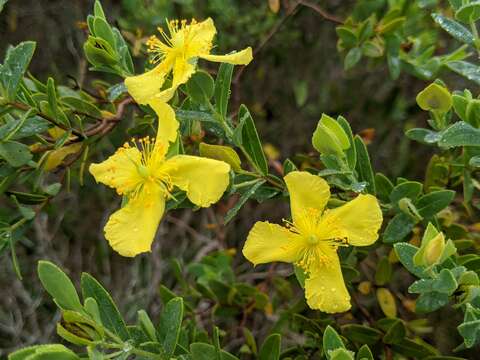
{"points": [[320, 11], [105, 126]]}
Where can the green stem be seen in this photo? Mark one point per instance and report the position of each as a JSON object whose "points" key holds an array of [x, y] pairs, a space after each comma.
{"points": [[473, 27]]}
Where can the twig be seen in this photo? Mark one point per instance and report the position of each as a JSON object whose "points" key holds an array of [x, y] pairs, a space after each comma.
{"points": [[320, 11], [105, 126]]}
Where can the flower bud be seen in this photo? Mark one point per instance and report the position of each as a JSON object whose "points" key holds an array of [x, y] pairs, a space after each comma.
{"points": [[329, 137], [434, 250]]}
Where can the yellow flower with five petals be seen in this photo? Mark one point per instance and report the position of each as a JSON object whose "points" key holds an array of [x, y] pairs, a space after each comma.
{"points": [[145, 177], [311, 240], [178, 52]]}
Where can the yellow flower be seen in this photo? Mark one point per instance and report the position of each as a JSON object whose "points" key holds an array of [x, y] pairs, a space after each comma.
{"points": [[311, 240], [145, 177], [178, 52]]}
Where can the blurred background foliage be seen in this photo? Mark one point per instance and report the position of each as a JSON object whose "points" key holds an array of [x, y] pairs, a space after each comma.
{"points": [[296, 75]]}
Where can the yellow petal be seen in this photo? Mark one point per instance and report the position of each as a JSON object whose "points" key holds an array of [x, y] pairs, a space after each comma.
{"points": [[199, 37], [307, 191], [242, 57], [119, 171], [325, 288], [145, 86], [204, 180], [268, 242], [182, 71], [359, 220], [130, 230], [167, 123]]}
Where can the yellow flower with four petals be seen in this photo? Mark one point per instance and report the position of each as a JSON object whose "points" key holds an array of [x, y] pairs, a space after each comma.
{"points": [[145, 177], [178, 53], [311, 240]]}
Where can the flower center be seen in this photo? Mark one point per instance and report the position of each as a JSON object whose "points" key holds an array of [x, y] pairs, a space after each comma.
{"points": [[313, 240]]}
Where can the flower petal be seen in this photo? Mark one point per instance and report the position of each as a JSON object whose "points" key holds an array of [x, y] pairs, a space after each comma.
{"points": [[307, 192], [167, 123], [182, 71], [145, 86], [199, 38], [119, 171], [242, 57], [325, 288], [359, 220], [131, 230], [204, 180], [268, 242]]}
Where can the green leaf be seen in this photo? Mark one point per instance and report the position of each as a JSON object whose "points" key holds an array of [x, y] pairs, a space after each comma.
{"points": [[200, 87], [384, 271], [15, 153], [98, 10], [270, 349], [347, 35], [170, 324], [31, 126], [222, 88], [469, 12], [246, 137], [424, 136], [364, 353], [395, 330], [59, 286], [2, 4], [350, 153], [361, 334], [352, 58], [202, 351], [44, 352], [407, 189], [146, 325], [405, 253], [243, 199], [460, 134], [455, 29], [364, 167], [82, 106], [331, 341], [15, 64], [220, 152], [341, 354], [103, 30], [465, 69], [383, 186], [430, 204], [430, 301], [398, 228], [109, 313], [410, 348]]}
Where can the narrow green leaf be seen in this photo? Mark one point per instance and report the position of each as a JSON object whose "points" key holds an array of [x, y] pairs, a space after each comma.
{"points": [[170, 324], [364, 167], [243, 199], [246, 137], [222, 88], [455, 29], [352, 58], [109, 313]]}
